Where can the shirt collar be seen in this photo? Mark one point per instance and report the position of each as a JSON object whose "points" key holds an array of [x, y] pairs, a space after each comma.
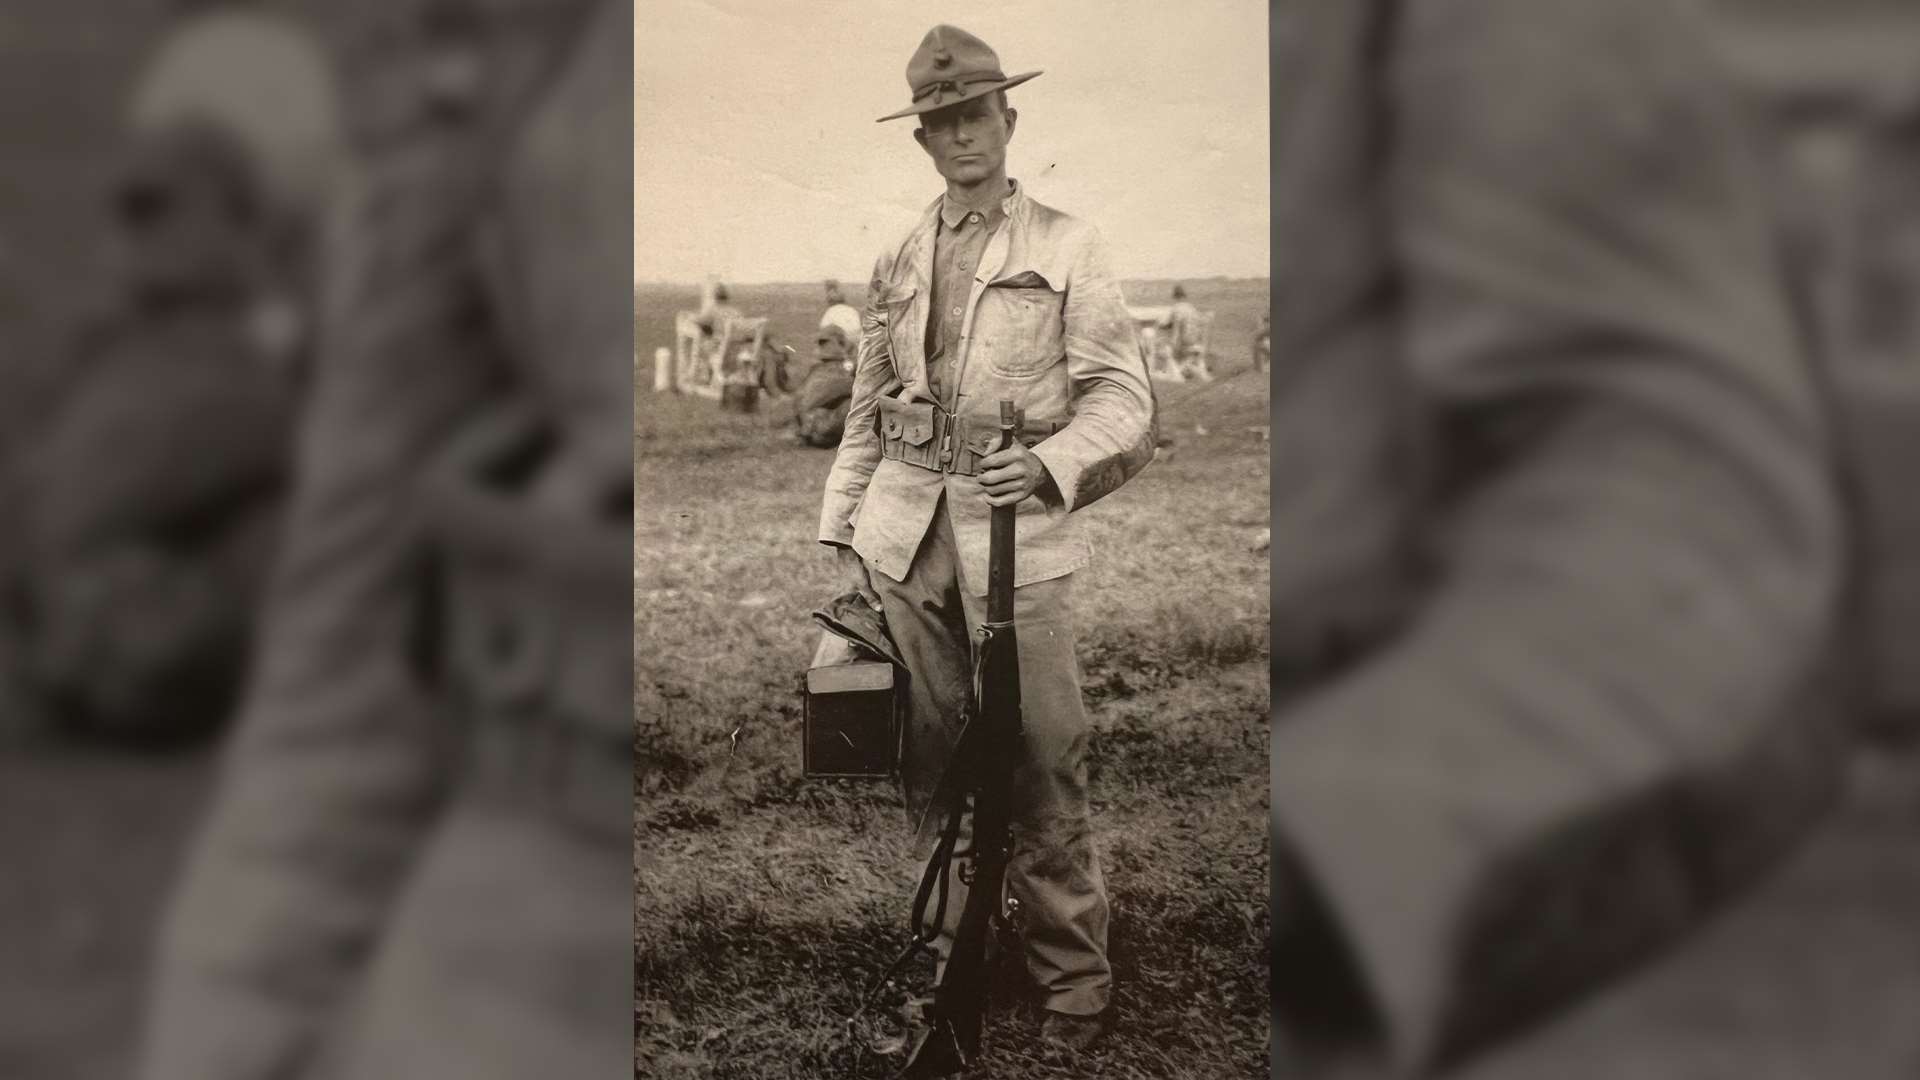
{"points": [[953, 212]]}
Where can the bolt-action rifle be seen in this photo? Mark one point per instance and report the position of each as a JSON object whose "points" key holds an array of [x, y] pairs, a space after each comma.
{"points": [[984, 765]]}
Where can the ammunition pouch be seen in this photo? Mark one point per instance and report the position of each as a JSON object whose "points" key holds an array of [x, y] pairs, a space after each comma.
{"points": [[534, 648], [923, 434]]}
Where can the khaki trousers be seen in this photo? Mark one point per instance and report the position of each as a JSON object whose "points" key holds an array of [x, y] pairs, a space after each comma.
{"points": [[1054, 871]]}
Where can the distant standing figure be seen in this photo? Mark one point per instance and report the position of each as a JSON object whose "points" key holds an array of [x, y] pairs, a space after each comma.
{"points": [[1186, 329]]}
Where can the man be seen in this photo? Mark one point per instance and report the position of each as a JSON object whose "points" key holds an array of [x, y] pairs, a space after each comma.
{"points": [[153, 489], [992, 295], [712, 321], [841, 317], [263, 75], [1555, 593], [149, 499], [820, 404], [418, 860], [265, 78], [715, 316], [827, 387], [1184, 331]]}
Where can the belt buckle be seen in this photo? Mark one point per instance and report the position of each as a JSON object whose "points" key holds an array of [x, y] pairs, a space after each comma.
{"points": [[943, 424]]}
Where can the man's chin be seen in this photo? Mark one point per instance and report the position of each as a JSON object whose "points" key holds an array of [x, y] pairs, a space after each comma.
{"points": [[969, 174]]}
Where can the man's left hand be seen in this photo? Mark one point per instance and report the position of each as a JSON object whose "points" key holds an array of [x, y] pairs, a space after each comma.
{"points": [[1011, 475]]}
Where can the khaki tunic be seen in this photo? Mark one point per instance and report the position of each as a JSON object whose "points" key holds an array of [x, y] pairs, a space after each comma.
{"points": [[1043, 324]]}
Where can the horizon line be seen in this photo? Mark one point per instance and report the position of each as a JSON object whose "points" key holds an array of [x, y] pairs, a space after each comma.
{"points": [[856, 280]]}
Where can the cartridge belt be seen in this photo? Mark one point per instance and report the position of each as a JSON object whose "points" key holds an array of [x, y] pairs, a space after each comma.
{"points": [[923, 434]]}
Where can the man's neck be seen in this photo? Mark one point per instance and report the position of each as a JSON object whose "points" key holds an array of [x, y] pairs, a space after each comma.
{"points": [[980, 196]]}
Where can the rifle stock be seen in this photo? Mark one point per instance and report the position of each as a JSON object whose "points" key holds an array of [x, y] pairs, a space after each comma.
{"points": [[986, 761]]}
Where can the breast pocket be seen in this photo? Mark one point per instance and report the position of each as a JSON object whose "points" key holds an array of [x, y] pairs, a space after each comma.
{"points": [[1020, 327]]}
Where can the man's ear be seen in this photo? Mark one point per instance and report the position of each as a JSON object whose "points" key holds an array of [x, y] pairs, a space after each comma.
{"points": [[920, 136], [1012, 115]]}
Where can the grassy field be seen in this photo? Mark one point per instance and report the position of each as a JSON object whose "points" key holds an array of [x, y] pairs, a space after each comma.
{"points": [[765, 903]]}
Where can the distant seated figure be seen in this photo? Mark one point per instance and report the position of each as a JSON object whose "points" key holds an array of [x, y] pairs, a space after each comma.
{"points": [[820, 405], [714, 317], [834, 296], [150, 493], [266, 77], [1263, 342], [843, 319]]}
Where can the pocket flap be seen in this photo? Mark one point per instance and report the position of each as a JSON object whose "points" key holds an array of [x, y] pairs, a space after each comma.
{"points": [[911, 421], [1025, 279]]}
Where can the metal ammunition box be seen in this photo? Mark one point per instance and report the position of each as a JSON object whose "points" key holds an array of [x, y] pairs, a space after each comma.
{"points": [[851, 721]]}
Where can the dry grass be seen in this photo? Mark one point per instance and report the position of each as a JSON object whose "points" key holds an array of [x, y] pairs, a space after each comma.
{"points": [[766, 903]]}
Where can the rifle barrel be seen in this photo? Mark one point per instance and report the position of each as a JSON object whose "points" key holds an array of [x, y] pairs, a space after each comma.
{"points": [[1000, 536]]}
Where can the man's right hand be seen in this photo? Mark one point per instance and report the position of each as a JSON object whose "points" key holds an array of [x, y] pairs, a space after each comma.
{"points": [[853, 572]]}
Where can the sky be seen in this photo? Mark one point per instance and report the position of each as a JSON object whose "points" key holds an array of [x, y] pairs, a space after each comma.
{"points": [[757, 158]]}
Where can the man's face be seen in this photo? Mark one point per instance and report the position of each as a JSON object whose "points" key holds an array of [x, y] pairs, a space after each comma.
{"points": [[176, 238], [829, 346], [968, 141]]}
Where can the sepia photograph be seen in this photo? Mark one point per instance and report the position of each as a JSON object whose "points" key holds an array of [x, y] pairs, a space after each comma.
{"points": [[1333, 539], [950, 554]]}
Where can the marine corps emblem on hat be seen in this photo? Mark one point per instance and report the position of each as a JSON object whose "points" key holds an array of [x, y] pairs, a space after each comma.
{"points": [[952, 66]]}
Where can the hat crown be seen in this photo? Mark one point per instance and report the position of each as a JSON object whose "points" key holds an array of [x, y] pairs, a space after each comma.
{"points": [[952, 66], [949, 53]]}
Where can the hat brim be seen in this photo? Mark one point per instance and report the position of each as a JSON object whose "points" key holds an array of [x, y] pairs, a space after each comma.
{"points": [[977, 90]]}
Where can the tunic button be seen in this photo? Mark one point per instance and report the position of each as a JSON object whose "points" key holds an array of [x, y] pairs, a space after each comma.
{"points": [[956, 311]]}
